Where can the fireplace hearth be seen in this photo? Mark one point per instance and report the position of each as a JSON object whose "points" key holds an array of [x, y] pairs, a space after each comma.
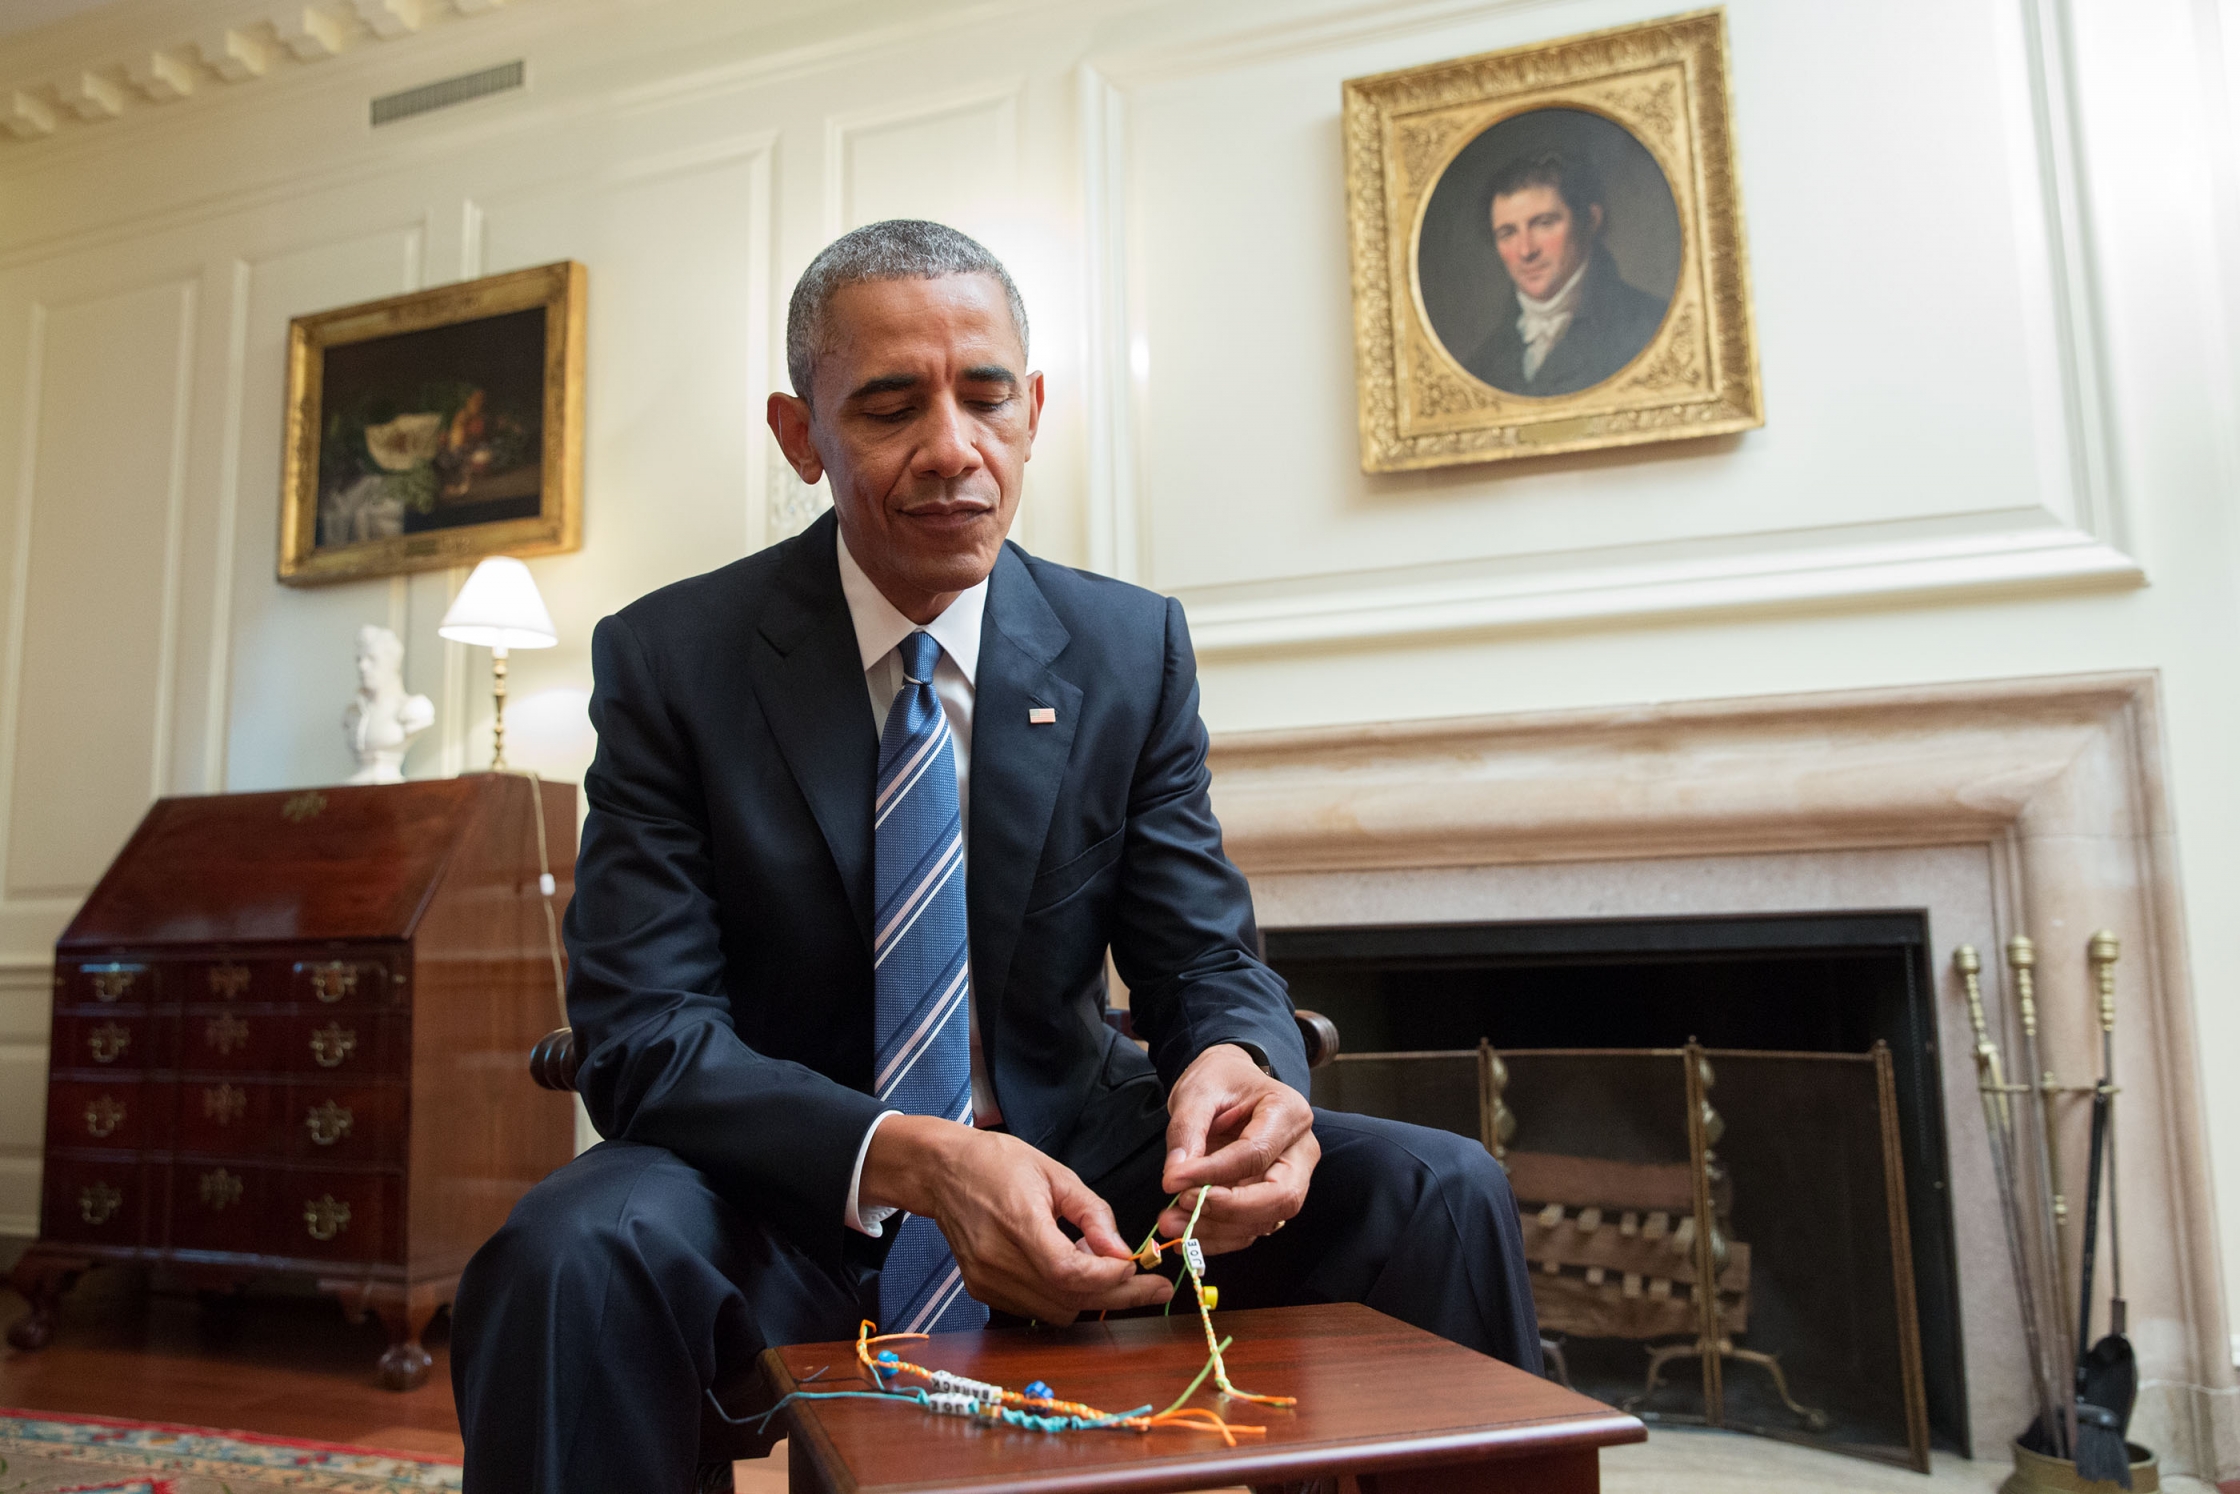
{"points": [[1587, 1030], [2027, 806]]}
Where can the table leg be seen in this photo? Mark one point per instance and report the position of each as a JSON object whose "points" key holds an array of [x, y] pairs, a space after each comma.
{"points": [[1572, 1472]]}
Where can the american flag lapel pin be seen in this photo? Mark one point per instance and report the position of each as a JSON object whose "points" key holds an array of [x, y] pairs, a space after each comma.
{"points": [[1042, 716]]}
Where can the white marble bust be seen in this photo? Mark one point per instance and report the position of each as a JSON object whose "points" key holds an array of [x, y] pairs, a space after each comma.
{"points": [[382, 720]]}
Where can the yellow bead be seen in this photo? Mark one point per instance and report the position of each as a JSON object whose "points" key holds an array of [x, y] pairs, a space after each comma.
{"points": [[1210, 1296]]}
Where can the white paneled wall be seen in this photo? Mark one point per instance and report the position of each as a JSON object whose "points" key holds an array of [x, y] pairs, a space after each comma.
{"points": [[1994, 312]]}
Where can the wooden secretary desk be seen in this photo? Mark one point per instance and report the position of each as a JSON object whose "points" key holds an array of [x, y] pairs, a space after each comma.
{"points": [[288, 1038]]}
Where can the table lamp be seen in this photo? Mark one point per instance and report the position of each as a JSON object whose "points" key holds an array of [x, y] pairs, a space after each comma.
{"points": [[499, 609]]}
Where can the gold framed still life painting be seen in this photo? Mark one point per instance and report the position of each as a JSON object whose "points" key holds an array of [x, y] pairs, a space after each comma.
{"points": [[1547, 250], [432, 429]]}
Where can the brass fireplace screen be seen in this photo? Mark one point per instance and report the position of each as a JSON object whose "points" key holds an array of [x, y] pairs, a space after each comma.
{"points": [[1642, 1174]]}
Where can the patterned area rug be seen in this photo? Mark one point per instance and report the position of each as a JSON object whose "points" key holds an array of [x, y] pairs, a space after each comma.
{"points": [[45, 1452]]}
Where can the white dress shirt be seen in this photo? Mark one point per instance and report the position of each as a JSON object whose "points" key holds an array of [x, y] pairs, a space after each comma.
{"points": [[1542, 323], [880, 630]]}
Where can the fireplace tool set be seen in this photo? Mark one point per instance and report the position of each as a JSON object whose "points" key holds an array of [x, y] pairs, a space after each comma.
{"points": [[2084, 1390]]}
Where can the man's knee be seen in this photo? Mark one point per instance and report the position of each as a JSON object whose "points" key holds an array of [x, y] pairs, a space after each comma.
{"points": [[563, 1240], [1407, 1164]]}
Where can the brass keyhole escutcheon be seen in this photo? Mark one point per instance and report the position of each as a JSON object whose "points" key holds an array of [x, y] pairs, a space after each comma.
{"points": [[332, 982], [328, 1123], [219, 1189], [103, 1116], [227, 982], [98, 1202], [324, 1217], [225, 1034], [111, 985], [108, 1041], [224, 1103], [331, 1044]]}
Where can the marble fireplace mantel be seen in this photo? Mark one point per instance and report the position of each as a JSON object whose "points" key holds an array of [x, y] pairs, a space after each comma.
{"points": [[2035, 806]]}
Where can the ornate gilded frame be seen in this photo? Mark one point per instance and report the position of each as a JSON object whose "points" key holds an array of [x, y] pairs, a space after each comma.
{"points": [[560, 290], [1665, 82]]}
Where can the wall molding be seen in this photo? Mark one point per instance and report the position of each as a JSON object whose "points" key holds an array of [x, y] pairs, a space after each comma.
{"points": [[176, 65], [2036, 549]]}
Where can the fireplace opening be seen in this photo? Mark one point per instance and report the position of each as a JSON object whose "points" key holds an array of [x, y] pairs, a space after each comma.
{"points": [[1545, 996]]}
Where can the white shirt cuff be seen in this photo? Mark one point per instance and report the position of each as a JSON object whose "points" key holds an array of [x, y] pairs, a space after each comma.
{"points": [[866, 1221]]}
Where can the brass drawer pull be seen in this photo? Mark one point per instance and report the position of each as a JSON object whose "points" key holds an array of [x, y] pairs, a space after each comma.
{"points": [[225, 1034], [103, 1116], [112, 983], [328, 1123], [108, 1041], [97, 1203], [333, 981], [331, 1044], [324, 1217], [227, 982], [224, 1103], [219, 1189]]}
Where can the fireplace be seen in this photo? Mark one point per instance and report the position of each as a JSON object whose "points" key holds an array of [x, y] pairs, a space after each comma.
{"points": [[1985, 810], [1799, 1174]]}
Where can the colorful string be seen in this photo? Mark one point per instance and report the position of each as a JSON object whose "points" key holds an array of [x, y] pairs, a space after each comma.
{"points": [[1037, 1408]]}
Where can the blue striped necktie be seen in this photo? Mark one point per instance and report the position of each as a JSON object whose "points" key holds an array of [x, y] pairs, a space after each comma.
{"points": [[922, 1061]]}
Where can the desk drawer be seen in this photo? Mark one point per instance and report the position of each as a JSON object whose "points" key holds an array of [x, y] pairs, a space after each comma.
{"points": [[332, 1123], [342, 1216], [116, 983], [117, 1041], [121, 1113], [218, 1205], [232, 1040], [356, 979], [344, 1044], [94, 1202], [228, 1117]]}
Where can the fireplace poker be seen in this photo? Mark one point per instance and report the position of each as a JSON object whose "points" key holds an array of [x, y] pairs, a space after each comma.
{"points": [[1998, 1125], [2038, 1087], [2107, 1373]]}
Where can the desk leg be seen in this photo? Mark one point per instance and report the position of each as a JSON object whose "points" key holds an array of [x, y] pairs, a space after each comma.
{"points": [[1573, 1472]]}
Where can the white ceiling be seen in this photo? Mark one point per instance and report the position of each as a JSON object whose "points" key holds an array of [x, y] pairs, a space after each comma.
{"points": [[29, 15]]}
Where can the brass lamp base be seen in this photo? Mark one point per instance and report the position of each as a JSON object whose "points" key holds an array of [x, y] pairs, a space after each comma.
{"points": [[498, 720]]}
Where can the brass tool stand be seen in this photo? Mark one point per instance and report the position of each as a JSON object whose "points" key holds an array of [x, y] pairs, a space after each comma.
{"points": [[1999, 1128]]}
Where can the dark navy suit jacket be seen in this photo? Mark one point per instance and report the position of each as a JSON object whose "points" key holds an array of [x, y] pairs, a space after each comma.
{"points": [[720, 977]]}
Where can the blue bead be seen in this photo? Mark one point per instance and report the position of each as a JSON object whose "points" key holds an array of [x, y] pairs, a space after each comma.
{"points": [[1040, 1391], [888, 1356]]}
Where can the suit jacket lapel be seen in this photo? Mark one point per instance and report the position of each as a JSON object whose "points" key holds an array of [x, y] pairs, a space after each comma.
{"points": [[810, 678], [1017, 767]]}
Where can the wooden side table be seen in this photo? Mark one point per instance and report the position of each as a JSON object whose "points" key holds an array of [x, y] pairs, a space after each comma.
{"points": [[1383, 1407]]}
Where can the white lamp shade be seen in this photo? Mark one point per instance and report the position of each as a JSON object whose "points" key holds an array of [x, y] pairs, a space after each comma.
{"points": [[499, 608]]}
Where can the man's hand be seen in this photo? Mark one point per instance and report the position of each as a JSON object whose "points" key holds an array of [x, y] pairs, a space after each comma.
{"points": [[998, 1202], [1244, 1137]]}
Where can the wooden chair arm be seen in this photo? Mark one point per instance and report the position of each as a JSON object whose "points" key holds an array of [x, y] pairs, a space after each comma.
{"points": [[552, 1062]]}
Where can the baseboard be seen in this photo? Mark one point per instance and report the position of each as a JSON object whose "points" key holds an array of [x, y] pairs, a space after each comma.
{"points": [[2194, 1429]]}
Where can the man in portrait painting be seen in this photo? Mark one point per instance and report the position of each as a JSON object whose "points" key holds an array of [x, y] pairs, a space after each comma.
{"points": [[1578, 321]]}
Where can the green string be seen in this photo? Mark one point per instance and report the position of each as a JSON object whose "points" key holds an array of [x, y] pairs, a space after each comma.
{"points": [[1194, 1384]]}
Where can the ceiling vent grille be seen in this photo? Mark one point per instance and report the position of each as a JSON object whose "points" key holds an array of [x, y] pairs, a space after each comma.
{"points": [[391, 107]]}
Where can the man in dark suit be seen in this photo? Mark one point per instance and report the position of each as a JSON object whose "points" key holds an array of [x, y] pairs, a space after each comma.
{"points": [[839, 1078], [1578, 321]]}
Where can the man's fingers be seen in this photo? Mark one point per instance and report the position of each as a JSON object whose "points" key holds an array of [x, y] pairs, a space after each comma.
{"points": [[1190, 1114], [1080, 1206]]}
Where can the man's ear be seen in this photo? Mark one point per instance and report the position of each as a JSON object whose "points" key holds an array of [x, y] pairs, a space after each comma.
{"points": [[1594, 218], [789, 422], [1035, 392]]}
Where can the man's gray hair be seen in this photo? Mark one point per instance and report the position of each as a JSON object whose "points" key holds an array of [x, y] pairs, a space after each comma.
{"points": [[898, 249]]}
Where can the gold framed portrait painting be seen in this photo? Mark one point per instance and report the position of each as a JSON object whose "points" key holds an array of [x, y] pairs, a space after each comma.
{"points": [[1547, 250], [432, 429]]}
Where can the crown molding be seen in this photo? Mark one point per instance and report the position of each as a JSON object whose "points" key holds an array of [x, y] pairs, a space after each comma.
{"points": [[132, 58]]}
